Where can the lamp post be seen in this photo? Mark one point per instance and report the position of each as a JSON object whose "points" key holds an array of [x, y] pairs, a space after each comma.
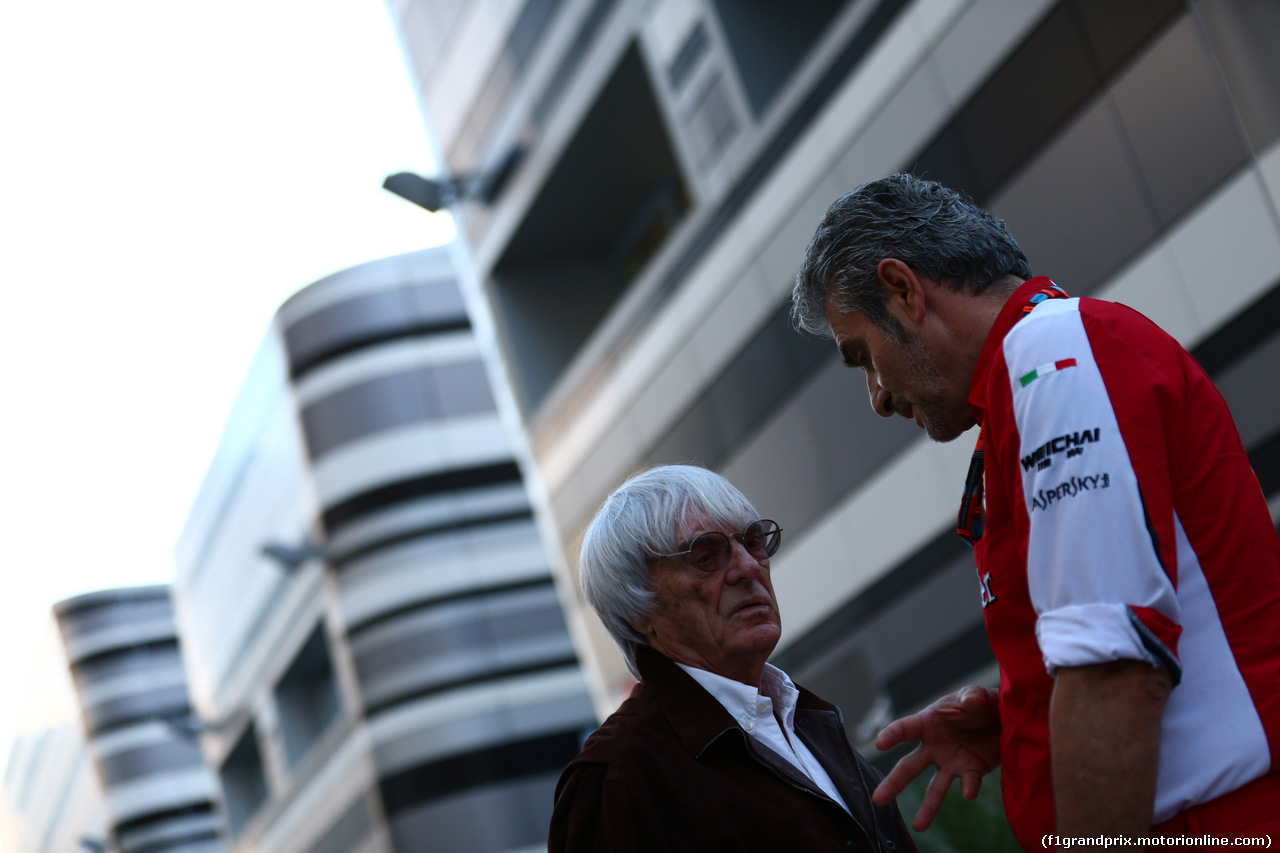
{"points": [[438, 193], [430, 193], [290, 557]]}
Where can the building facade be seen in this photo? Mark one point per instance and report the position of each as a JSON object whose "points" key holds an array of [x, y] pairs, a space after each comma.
{"points": [[650, 172], [52, 794], [124, 657], [378, 651]]}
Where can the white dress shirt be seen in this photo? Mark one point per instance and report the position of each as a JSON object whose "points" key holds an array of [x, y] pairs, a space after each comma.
{"points": [[754, 711]]}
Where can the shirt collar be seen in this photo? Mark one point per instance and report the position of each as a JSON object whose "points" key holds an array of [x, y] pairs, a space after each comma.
{"points": [[742, 701], [1008, 316]]}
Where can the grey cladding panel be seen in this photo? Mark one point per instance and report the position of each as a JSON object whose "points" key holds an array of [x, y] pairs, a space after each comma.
{"points": [[740, 401], [696, 438], [137, 708], [152, 658], [504, 816], [926, 618], [194, 829], [817, 448], [497, 725], [784, 475], [887, 649], [1179, 122], [743, 395], [1081, 209], [374, 316], [173, 754], [115, 614], [847, 677], [1250, 389], [854, 439], [437, 646], [395, 400], [348, 832], [378, 404], [463, 389], [1244, 36], [1038, 89]]}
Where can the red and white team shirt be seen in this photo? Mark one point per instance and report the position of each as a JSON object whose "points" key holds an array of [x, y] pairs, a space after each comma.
{"points": [[1122, 521]]}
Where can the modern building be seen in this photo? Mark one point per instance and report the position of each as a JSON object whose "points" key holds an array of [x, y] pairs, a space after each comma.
{"points": [[646, 174], [124, 658], [377, 650], [52, 794]]}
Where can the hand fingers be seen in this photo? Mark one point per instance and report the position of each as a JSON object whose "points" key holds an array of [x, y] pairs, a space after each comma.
{"points": [[985, 698], [934, 795], [968, 705], [885, 792], [900, 776], [899, 731], [970, 784]]}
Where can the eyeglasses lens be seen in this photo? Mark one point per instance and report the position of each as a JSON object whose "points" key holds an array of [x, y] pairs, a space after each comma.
{"points": [[710, 551]]}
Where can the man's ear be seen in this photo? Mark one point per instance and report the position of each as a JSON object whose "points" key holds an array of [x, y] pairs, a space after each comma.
{"points": [[642, 626], [904, 295]]}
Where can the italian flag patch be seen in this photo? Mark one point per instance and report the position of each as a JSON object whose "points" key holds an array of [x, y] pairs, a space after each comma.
{"points": [[1045, 369]]}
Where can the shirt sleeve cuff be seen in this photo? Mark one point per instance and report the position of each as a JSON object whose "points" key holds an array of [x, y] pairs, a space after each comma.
{"points": [[1086, 634]]}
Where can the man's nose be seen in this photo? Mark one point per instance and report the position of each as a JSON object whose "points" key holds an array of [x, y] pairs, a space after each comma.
{"points": [[881, 400], [742, 565]]}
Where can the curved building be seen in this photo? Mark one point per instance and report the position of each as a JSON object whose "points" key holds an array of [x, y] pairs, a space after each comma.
{"points": [[409, 674], [122, 648], [467, 676]]}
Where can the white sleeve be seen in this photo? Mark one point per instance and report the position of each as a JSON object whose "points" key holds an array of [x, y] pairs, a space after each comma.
{"points": [[1090, 554]]}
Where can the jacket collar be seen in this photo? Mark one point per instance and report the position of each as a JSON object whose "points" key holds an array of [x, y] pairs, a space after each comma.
{"points": [[700, 721], [1005, 320], [695, 715]]}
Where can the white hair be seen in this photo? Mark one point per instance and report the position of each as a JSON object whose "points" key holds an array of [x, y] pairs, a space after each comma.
{"points": [[647, 516]]}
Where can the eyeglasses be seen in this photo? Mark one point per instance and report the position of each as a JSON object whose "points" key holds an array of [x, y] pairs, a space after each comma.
{"points": [[711, 551]]}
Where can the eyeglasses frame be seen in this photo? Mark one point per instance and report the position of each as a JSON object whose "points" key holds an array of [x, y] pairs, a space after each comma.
{"points": [[775, 532]]}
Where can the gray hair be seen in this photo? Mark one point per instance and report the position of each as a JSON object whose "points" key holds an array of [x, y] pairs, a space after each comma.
{"points": [[934, 230], [648, 515]]}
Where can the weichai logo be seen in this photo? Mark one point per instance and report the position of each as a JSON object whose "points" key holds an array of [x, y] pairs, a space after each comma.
{"points": [[1071, 444]]}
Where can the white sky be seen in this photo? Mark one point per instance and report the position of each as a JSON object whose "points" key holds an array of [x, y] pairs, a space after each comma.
{"points": [[170, 172]]}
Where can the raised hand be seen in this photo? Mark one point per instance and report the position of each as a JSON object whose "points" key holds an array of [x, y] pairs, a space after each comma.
{"points": [[959, 734]]}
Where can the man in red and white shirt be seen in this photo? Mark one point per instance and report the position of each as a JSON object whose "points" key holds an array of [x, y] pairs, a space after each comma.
{"points": [[1128, 564]]}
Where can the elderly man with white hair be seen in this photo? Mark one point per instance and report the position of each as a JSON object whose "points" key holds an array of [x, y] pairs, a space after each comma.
{"points": [[715, 749]]}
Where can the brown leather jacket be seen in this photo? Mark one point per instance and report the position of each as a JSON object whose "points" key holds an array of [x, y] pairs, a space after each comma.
{"points": [[671, 770]]}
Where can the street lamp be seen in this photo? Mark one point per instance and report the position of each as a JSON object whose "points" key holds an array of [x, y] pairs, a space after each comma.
{"points": [[437, 193], [290, 557], [433, 194]]}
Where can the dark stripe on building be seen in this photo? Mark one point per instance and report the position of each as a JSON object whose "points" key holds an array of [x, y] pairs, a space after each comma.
{"points": [[359, 628], [436, 779], [417, 487], [301, 369], [470, 681], [338, 561]]}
